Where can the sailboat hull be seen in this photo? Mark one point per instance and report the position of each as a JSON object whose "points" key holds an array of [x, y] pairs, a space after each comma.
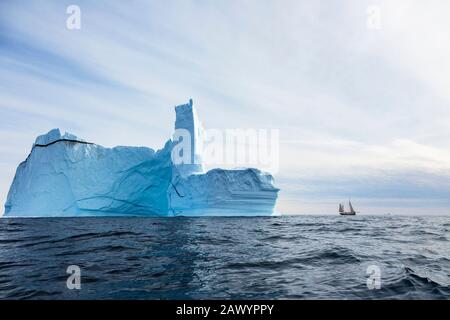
{"points": [[347, 213]]}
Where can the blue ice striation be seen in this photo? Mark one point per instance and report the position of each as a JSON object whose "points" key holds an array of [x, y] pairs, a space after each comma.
{"points": [[65, 176]]}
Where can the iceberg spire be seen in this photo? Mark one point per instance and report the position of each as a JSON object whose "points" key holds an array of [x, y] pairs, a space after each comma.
{"points": [[186, 119]]}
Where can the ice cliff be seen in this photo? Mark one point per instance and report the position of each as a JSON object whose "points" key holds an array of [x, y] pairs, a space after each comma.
{"points": [[67, 176]]}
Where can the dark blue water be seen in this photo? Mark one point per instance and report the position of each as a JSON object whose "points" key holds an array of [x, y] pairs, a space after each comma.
{"points": [[253, 258]]}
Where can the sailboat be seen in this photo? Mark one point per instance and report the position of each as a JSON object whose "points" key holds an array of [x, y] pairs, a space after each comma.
{"points": [[342, 211]]}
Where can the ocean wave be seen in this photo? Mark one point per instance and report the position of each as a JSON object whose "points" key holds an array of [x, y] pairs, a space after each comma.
{"points": [[331, 256], [410, 284]]}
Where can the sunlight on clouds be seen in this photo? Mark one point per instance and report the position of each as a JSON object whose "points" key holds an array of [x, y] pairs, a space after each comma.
{"points": [[350, 157]]}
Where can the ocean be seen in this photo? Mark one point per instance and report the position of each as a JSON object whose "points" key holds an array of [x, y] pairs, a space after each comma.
{"points": [[286, 257]]}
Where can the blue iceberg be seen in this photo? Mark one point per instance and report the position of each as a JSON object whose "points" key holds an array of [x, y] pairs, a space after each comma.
{"points": [[65, 176]]}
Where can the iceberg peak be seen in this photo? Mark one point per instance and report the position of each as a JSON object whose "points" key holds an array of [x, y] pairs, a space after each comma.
{"points": [[53, 136], [187, 119]]}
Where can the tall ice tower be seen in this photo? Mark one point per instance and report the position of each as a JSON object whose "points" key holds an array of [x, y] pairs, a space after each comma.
{"points": [[186, 118]]}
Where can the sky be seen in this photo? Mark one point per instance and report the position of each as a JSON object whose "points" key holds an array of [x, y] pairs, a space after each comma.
{"points": [[362, 111]]}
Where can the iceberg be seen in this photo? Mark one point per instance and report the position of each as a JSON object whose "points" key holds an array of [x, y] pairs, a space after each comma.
{"points": [[65, 176]]}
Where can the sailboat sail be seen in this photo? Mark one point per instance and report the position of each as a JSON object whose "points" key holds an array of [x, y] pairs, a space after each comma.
{"points": [[341, 207], [351, 208]]}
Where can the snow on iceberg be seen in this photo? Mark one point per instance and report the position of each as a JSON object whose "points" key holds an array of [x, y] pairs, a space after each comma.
{"points": [[67, 176]]}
